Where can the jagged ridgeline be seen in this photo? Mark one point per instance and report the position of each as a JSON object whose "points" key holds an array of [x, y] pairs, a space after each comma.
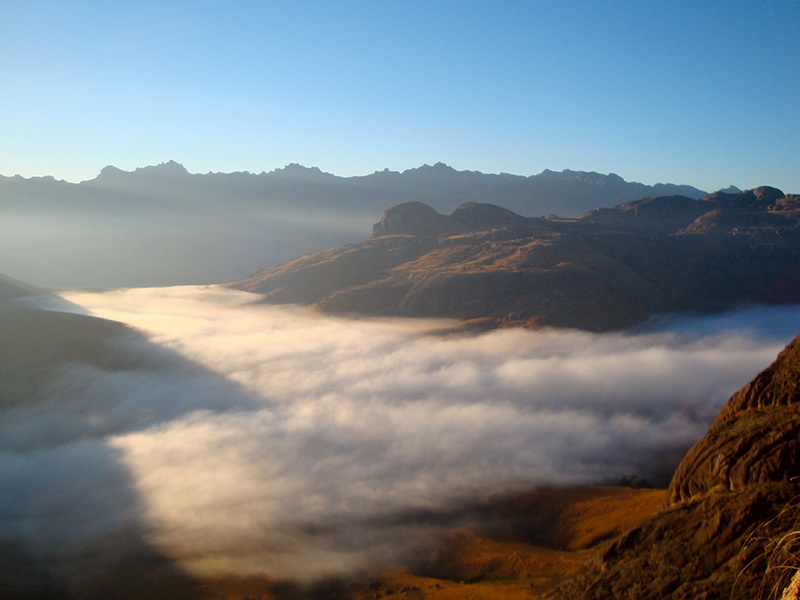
{"points": [[609, 269], [164, 226], [729, 528]]}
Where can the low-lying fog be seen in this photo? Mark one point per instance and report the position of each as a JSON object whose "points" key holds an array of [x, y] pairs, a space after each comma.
{"points": [[311, 445]]}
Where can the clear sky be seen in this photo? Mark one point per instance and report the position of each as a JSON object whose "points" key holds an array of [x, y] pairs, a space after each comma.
{"points": [[702, 92]]}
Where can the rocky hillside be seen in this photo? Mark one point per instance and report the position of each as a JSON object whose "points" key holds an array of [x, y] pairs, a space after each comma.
{"points": [[729, 527], [754, 439], [609, 269]]}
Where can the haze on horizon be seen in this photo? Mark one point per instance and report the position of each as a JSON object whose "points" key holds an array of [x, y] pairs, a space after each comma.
{"points": [[696, 93]]}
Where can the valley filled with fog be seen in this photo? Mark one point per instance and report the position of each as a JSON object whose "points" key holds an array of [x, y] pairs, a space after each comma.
{"points": [[272, 440], [310, 300]]}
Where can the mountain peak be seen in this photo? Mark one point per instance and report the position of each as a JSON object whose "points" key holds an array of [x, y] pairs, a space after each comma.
{"points": [[109, 172], [161, 170], [436, 168], [298, 171], [549, 174], [761, 196], [411, 218], [583, 176], [168, 168]]}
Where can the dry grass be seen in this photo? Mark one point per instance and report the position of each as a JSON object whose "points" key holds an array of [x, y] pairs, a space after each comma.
{"points": [[611, 512], [474, 564], [780, 537]]}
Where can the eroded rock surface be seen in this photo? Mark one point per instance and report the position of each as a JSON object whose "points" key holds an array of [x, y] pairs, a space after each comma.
{"points": [[754, 439], [733, 507]]}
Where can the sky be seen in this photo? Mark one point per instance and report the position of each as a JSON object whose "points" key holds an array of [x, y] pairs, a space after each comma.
{"points": [[695, 92]]}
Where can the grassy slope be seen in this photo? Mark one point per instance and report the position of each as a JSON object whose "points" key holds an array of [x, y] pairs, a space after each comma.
{"points": [[482, 564]]}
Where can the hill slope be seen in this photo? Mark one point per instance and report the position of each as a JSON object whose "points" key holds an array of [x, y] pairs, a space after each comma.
{"points": [[732, 508], [47, 427], [609, 269]]}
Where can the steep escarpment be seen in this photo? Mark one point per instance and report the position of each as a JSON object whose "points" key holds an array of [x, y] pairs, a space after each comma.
{"points": [[609, 269], [732, 507]]}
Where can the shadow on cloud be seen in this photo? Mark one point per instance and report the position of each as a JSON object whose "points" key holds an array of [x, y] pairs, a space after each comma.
{"points": [[288, 444], [71, 520]]}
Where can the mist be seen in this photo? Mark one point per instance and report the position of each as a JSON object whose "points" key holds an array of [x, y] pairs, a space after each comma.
{"points": [[58, 248], [161, 225], [271, 440]]}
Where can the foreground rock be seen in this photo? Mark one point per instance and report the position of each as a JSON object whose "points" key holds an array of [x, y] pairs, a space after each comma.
{"points": [[610, 269], [728, 530]]}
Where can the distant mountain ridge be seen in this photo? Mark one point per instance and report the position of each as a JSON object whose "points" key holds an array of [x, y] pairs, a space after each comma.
{"points": [[161, 225], [610, 269], [566, 193]]}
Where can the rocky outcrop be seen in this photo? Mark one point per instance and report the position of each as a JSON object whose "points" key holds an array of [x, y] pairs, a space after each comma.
{"points": [[754, 439], [733, 508], [412, 218], [473, 216], [792, 591], [664, 214]]}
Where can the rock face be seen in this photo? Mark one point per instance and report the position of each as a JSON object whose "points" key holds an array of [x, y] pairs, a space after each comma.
{"points": [[733, 506], [412, 218], [792, 591], [754, 439], [609, 269]]}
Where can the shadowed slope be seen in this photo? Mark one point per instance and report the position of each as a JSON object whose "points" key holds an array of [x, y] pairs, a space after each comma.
{"points": [[71, 522], [608, 270]]}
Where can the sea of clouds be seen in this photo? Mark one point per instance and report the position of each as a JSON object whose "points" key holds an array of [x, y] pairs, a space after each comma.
{"points": [[256, 439]]}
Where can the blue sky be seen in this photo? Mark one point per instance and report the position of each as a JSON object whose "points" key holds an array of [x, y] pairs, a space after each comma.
{"points": [[703, 92]]}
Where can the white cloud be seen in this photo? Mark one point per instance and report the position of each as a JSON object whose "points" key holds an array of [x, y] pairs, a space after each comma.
{"points": [[304, 441]]}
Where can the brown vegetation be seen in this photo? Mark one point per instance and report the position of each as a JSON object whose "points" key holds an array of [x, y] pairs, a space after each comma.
{"points": [[520, 547], [610, 269]]}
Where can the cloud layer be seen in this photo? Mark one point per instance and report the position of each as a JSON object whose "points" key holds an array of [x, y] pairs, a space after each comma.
{"points": [[292, 444]]}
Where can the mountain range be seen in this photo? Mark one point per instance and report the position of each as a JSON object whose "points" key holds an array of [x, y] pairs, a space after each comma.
{"points": [[161, 225], [608, 269], [725, 528]]}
